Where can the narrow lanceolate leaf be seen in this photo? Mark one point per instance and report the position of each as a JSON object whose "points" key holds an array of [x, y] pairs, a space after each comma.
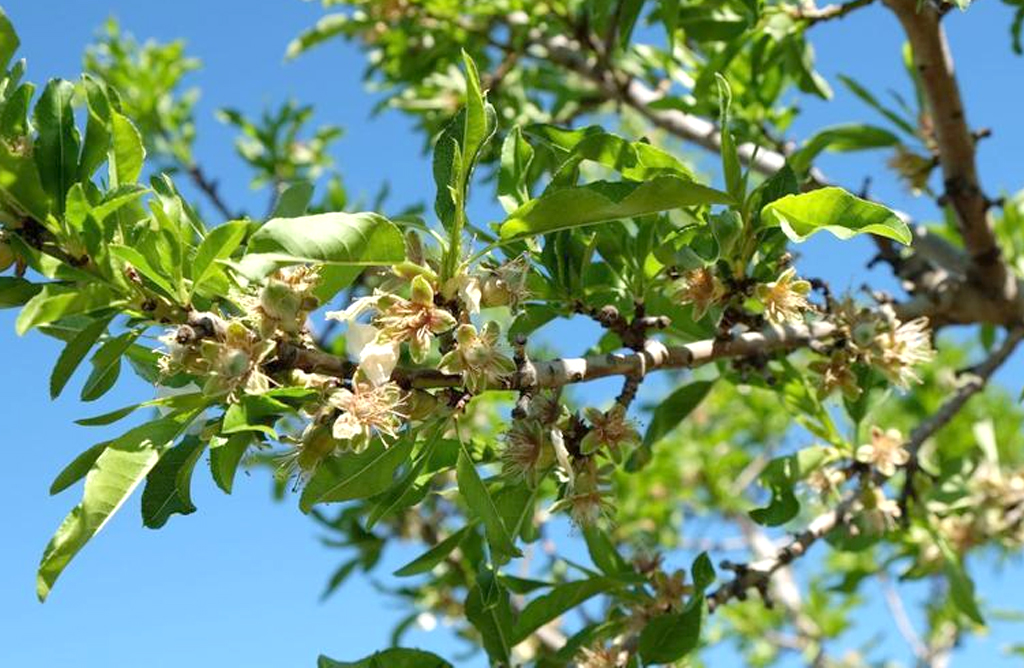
{"points": [[106, 365], [56, 146], [516, 156], [169, 485], [476, 130], [667, 638], [330, 238], [355, 476], [837, 211], [114, 475], [434, 555], [78, 468], [20, 186], [127, 151], [219, 244], [54, 302], [842, 138], [560, 599], [8, 40], [139, 262], [396, 657], [73, 354], [16, 291], [489, 610], [480, 502], [674, 409], [605, 200]]}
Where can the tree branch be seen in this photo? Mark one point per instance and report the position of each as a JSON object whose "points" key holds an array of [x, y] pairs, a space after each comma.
{"points": [[758, 574], [566, 371], [955, 142]]}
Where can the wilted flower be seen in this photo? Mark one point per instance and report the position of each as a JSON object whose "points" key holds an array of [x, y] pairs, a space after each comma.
{"points": [[600, 656], [912, 168], [878, 512], [527, 451], [901, 347], [837, 373], [477, 357], [470, 292], [826, 480], [702, 289], [669, 590], [784, 299], [505, 284], [586, 497], [611, 430], [366, 410], [885, 452]]}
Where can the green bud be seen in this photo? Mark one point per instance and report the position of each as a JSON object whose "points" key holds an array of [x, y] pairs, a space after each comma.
{"points": [[494, 292], [317, 445], [422, 292], [234, 362], [420, 405], [279, 301], [410, 270]]}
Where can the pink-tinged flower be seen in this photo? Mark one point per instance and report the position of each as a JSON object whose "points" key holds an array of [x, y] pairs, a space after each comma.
{"points": [[784, 299]]}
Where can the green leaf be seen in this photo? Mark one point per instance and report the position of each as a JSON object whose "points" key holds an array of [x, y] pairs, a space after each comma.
{"points": [[780, 476], [731, 167], [434, 555], [15, 292], [670, 637], [116, 473], [54, 302], [516, 157], [481, 504], [73, 354], [674, 409], [356, 476], [961, 588], [169, 485], [8, 40], [20, 186], [488, 609], [605, 200], [77, 469], [219, 244], [225, 456], [139, 261], [835, 210], [56, 146], [842, 138], [560, 599], [294, 200], [127, 151], [635, 160], [477, 128], [333, 238], [396, 657], [106, 365], [667, 638], [603, 553]]}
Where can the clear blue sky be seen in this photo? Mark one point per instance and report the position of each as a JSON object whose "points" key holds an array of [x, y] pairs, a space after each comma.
{"points": [[237, 583]]}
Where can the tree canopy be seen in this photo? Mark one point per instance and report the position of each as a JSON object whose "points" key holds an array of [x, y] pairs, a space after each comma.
{"points": [[773, 444]]}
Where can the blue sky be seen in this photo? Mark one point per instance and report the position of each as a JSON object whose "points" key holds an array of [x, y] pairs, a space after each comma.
{"points": [[237, 583]]}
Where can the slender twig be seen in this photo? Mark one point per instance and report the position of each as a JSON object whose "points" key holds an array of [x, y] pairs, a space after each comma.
{"points": [[815, 15], [894, 602]]}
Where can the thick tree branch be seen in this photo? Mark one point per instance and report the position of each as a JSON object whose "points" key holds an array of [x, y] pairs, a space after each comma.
{"points": [[955, 142]]}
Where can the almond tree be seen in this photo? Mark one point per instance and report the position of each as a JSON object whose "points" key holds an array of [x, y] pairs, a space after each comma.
{"points": [[396, 365]]}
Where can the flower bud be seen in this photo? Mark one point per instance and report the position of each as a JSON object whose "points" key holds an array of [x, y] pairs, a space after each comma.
{"points": [[234, 362]]}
